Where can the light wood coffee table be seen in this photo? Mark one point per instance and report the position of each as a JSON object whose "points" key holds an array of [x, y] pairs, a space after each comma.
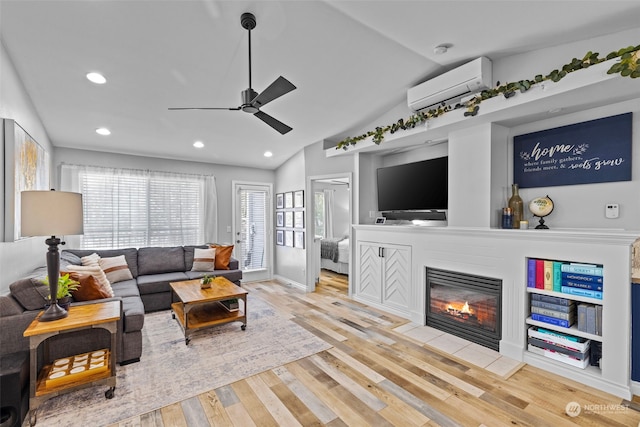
{"points": [[198, 308]]}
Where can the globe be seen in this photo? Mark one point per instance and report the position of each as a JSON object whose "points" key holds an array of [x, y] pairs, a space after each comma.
{"points": [[541, 207]]}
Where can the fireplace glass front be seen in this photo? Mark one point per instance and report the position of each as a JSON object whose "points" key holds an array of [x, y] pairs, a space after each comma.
{"points": [[465, 305]]}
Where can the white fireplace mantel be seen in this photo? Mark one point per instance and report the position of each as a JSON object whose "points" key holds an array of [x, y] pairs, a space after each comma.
{"points": [[502, 254]]}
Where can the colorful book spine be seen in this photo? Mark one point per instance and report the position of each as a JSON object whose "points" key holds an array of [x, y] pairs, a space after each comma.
{"points": [[539, 274], [558, 348], [557, 276], [548, 275], [551, 300], [551, 320], [582, 292], [558, 335], [589, 269], [552, 313], [592, 286], [582, 277], [531, 273], [555, 307], [559, 356]]}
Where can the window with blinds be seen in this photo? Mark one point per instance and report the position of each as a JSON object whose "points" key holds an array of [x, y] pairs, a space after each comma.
{"points": [[253, 231], [137, 209]]}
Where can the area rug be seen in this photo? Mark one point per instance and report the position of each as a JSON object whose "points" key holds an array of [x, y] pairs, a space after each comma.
{"points": [[170, 371]]}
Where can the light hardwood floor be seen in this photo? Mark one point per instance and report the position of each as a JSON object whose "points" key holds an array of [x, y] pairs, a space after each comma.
{"points": [[375, 375]]}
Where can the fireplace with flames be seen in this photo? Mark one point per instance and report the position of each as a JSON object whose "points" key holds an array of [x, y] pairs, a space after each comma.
{"points": [[465, 305]]}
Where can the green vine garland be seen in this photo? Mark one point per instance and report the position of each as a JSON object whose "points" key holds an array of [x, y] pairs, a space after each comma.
{"points": [[628, 66]]}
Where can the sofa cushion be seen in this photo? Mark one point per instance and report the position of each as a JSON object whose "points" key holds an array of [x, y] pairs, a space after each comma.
{"points": [[90, 289], [70, 258], [9, 306], [127, 288], [130, 254], [154, 283], [188, 255], [232, 275], [90, 260], [115, 268], [31, 293], [204, 259], [160, 260], [223, 256], [133, 310]]}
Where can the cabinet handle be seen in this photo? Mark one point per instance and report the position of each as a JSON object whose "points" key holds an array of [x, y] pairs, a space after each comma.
{"points": [[381, 252]]}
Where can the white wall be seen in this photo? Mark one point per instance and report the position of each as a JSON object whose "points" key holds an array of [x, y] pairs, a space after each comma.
{"points": [[290, 263], [20, 257]]}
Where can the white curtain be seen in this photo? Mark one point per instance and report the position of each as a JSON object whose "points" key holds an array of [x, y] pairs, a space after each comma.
{"points": [[135, 208], [328, 213]]}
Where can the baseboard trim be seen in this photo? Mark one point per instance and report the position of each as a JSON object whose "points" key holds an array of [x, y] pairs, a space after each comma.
{"points": [[288, 282]]}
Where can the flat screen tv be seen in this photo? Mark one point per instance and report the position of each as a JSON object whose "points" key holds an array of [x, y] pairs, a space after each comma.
{"points": [[414, 186]]}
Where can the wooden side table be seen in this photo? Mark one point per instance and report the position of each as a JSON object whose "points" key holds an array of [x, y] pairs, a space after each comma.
{"points": [[103, 315]]}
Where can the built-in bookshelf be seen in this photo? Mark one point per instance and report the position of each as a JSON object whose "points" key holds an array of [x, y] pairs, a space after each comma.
{"points": [[564, 322]]}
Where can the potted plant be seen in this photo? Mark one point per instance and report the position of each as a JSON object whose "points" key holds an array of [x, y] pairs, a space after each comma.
{"points": [[65, 286], [205, 281]]}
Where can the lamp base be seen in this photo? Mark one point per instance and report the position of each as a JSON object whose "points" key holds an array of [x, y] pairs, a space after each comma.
{"points": [[53, 312]]}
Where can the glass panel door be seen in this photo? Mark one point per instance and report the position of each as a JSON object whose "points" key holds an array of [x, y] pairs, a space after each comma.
{"points": [[252, 230]]}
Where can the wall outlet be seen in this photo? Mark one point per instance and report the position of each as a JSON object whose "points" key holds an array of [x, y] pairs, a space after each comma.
{"points": [[612, 210]]}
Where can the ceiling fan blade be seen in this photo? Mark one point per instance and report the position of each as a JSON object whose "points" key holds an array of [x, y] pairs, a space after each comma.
{"points": [[274, 123], [275, 90], [204, 108]]}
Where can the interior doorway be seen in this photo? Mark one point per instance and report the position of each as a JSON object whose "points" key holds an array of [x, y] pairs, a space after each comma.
{"points": [[330, 218]]}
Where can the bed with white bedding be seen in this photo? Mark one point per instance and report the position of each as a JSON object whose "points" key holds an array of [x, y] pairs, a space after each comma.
{"points": [[334, 255]]}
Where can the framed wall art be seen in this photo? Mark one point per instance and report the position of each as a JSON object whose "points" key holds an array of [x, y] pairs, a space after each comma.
{"points": [[279, 219], [298, 219], [298, 239], [279, 201], [288, 219], [298, 199], [280, 237], [26, 165], [288, 238], [288, 200]]}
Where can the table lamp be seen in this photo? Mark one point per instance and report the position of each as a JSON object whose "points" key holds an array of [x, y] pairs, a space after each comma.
{"points": [[51, 213]]}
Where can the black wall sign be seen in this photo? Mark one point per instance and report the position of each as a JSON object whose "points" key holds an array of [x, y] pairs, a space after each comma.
{"points": [[588, 152]]}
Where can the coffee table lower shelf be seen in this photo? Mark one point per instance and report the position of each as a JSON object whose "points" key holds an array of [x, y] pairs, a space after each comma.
{"points": [[205, 315]]}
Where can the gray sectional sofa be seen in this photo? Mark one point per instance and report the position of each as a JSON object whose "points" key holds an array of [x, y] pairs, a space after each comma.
{"points": [[152, 268]]}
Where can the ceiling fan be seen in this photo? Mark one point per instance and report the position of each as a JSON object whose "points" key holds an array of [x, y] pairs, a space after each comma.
{"points": [[252, 100]]}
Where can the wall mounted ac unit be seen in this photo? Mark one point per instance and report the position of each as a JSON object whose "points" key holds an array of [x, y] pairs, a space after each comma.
{"points": [[449, 87]]}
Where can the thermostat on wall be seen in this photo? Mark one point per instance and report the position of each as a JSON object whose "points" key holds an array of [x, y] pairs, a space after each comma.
{"points": [[381, 220]]}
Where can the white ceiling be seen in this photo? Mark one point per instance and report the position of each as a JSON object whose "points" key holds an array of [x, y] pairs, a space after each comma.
{"points": [[350, 60]]}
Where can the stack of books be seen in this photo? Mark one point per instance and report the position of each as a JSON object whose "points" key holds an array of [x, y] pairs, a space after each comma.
{"points": [[553, 310], [590, 318], [566, 277], [564, 348]]}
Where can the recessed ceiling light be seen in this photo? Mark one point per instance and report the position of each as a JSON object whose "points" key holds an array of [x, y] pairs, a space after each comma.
{"points": [[441, 49], [198, 144], [268, 154], [103, 131], [96, 78]]}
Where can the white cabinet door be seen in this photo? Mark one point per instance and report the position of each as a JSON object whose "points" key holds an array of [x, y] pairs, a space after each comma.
{"points": [[384, 274], [369, 284], [396, 274]]}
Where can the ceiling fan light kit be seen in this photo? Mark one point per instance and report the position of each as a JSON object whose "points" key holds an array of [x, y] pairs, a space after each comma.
{"points": [[252, 100]]}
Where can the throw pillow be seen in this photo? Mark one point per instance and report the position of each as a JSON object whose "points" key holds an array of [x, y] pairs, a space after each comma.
{"points": [[204, 259], [115, 268], [89, 289], [223, 255], [96, 272], [92, 259]]}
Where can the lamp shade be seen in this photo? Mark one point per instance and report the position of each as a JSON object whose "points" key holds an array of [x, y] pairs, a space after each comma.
{"points": [[51, 213]]}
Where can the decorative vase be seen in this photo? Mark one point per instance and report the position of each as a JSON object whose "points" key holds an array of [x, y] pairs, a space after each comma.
{"points": [[64, 302], [516, 205]]}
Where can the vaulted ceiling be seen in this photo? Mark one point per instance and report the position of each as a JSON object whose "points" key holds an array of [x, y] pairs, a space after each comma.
{"points": [[350, 60]]}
